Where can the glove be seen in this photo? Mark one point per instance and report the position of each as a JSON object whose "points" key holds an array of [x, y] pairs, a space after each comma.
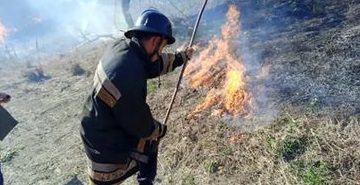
{"points": [[186, 54], [152, 142], [189, 52], [162, 128], [158, 133]]}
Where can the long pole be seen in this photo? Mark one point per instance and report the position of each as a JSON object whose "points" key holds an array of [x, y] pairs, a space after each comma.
{"points": [[185, 63]]}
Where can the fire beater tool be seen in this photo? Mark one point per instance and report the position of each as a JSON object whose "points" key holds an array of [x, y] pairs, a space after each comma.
{"points": [[185, 63]]}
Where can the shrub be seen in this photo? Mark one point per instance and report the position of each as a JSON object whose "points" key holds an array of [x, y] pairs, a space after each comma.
{"points": [[292, 147], [36, 75], [77, 70]]}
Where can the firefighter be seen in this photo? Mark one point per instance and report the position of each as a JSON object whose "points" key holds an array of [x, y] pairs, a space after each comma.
{"points": [[119, 133]]}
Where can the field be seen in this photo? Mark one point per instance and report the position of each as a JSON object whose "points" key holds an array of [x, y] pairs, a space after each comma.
{"points": [[305, 128]]}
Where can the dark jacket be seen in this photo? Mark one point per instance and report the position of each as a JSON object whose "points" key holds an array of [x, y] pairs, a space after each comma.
{"points": [[116, 117]]}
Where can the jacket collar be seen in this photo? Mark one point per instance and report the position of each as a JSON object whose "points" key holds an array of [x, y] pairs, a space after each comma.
{"points": [[140, 50]]}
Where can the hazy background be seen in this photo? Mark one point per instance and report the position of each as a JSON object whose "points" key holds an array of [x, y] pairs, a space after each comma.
{"points": [[46, 25], [56, 24]]}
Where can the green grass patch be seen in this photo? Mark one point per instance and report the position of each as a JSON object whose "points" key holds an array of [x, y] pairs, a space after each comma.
{"points": [[188, 180], [313, 172], [152, 86], [292, 147], [7, 155], [271, 142], [289, 138]]}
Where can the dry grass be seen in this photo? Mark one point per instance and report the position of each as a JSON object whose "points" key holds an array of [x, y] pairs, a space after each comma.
{"points": [[304, 150], [311, 137], [314, 138]]}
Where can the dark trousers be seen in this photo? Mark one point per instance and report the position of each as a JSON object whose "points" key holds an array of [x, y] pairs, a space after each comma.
{"points": [[147, 172]]}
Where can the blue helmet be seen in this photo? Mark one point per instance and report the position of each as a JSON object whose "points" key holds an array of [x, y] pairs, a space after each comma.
{"points": [[152, 21]]}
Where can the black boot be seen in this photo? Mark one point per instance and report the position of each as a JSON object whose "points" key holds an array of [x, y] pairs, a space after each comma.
{"points": [[147, 172]]}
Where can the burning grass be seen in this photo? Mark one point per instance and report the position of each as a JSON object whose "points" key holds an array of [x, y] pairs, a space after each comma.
{"points": [[314, 140], [220, 70]]}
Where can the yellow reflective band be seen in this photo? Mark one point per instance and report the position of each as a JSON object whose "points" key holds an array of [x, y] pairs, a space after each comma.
{"points": [[168, 62], [109, 86]]}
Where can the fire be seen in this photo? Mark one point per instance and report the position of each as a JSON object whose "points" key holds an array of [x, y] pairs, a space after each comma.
{"points": [[3, 32], [235, 92], [219, 69]]}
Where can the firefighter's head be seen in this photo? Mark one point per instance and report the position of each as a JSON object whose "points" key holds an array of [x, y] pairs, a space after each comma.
{"points": [[154, 29]]}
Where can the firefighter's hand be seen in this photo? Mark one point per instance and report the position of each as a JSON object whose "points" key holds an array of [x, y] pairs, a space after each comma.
{"points": [[186, 53], [189, 52], [162, 130]]}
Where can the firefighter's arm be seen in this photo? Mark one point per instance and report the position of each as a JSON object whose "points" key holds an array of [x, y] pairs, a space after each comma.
{"points": [[169, 61]]}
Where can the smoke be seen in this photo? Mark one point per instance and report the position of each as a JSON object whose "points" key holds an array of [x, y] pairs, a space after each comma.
{"points": [[57, 25], [248, 48], [3, 32]]}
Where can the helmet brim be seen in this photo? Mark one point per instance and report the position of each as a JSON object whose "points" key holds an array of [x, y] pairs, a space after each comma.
{"points": [[138, 29]]}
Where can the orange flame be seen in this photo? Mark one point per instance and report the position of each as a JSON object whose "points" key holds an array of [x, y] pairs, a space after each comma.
{"points": [[3, 32], [220, 70]]}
